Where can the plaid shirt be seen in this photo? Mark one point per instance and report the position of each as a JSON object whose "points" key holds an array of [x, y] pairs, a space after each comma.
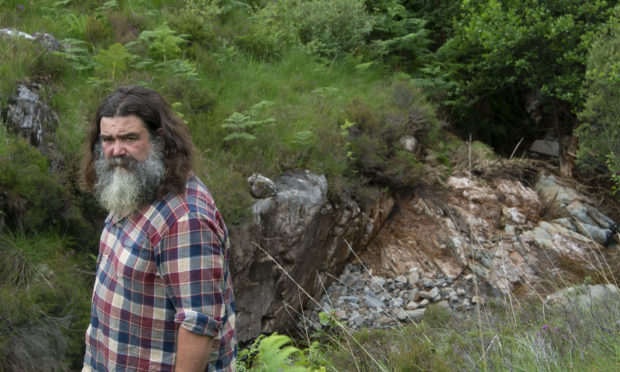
{"points": [[157, 270]]}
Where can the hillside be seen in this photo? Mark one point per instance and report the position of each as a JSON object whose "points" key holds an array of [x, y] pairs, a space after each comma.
{"points": [[387, 101]]}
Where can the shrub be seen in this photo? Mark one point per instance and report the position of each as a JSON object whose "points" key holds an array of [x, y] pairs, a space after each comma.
{"points": [[374, 136], [34, 198], [326, 28], [397, 38], [505, 52], [45, 309], [599, 131]]}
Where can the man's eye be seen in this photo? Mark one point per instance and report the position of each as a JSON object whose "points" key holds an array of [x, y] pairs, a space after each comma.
{"points": [[106, 139]]}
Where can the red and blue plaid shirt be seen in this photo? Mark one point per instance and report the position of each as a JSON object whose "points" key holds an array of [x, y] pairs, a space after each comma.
{"points": [[157, 270]]}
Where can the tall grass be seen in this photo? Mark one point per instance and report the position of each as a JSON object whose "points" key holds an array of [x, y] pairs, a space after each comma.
{"points": [[44, 292], [522, 331]]}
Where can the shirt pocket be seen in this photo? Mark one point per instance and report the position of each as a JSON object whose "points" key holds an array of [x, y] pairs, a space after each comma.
{"points": [[135, 261]]}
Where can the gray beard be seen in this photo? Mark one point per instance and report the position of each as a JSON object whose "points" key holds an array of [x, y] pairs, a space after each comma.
{"points": [[124, 184]]}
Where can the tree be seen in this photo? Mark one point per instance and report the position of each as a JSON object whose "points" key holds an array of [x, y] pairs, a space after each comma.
{"points": [[515, 68], [599, 131]]}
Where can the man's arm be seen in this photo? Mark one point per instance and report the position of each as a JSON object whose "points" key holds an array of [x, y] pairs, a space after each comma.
{"points": [[192, 351]]}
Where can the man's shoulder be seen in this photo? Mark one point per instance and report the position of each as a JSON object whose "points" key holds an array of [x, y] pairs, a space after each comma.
{"points": [[196, 200]]}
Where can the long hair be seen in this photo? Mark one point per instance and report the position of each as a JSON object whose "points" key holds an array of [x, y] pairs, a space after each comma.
{"points": [[156, 113]]}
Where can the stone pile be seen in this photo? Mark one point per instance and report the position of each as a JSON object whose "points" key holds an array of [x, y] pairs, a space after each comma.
{"points": [[359, 299]]}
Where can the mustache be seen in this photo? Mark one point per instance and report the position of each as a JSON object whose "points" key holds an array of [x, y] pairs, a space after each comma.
{"points": [[122, 161]]}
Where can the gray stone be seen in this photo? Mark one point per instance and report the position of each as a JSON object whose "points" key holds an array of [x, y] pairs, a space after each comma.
{"points": [[546, 147], [401, 314], [410, 144], [412, 278], [396, 302], [373, 301], [411, 305], [261, 187], [478, 300], [582, 295], [30, 117], [416, 314]]}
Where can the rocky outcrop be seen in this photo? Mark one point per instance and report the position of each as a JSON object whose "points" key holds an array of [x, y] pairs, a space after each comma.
{"points": [[296, 239], [503, 232], [30, 117]]}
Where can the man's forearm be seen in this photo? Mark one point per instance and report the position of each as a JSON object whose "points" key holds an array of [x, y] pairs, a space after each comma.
{"points": [[192, 351]]}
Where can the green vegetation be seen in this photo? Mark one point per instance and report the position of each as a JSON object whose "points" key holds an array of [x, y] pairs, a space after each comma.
{"points": [[332, 86], [45, 288], [535, 337], [599, 132], [499, 339], [510, 61]]}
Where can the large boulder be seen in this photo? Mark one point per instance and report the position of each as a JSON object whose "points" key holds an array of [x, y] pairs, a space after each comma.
{"points": [[28, 115], [297, 240]]}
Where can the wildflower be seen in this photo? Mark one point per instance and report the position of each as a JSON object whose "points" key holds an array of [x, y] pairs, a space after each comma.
{"points": [[545, 326], [20, 7]]}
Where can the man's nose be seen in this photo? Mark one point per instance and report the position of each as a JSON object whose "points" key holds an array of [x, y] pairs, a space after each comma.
{"points": [[118, 149]]}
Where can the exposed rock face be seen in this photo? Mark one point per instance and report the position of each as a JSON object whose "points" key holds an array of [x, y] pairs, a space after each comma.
{"points": [[307, 236], [30, 117], [503, 232]]}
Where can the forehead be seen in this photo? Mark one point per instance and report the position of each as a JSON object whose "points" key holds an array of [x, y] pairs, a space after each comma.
{"points": [[121, 124]]}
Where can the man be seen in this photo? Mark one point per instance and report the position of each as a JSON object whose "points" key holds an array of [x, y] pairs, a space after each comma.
{"points": [[163, 298]]}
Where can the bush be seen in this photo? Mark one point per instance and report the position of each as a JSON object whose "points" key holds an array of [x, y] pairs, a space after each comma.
{"points": [[325, 28], [505, 54], [599, 131], [33, 198], [45, 293], [374, 136]]}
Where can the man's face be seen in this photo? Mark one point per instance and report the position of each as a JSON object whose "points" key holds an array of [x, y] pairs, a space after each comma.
{"points": [[124, 136], [128, 164]]}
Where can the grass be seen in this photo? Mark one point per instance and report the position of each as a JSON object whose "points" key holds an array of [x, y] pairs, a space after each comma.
{"points": [[520, 332], [44, 291], [310, 102]]}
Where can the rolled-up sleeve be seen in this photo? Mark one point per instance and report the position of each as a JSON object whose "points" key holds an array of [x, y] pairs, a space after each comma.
{"points": [[191, 263]]}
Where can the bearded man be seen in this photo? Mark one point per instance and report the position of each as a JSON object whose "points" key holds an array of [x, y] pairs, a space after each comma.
{"points": [[163, 296]]}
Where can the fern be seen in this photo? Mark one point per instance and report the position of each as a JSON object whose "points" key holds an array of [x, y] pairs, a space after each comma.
{"points": [[112, 60], [245, 125]]}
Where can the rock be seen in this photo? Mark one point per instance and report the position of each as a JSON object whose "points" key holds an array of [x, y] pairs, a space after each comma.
{"points": [[412, 278], [582, 296], [396, 302], [373, 301], [477, 300], [297, 228], [46, 40], [261, 187], [14, 33], [444, 304], [30, 117], [546, 147], [411, 305], [401, 314], [410, 144], [416, 314], [401, 280]]}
